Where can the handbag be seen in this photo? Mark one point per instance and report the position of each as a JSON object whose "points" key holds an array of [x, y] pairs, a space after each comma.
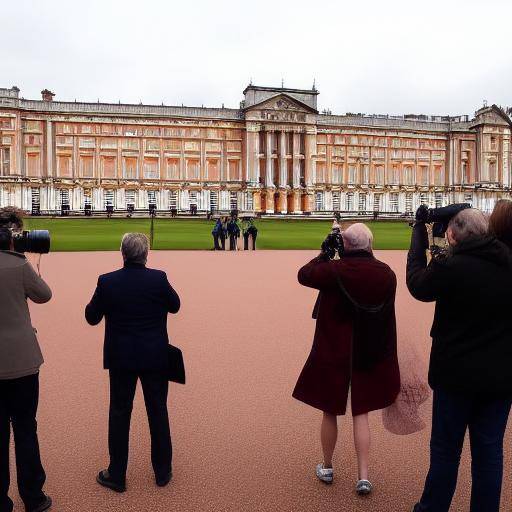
{"points": [[176, 372]]}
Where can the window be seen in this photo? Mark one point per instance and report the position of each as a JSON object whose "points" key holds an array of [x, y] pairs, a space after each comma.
{"points": [[87, 166], [233, 200], [350, 201], [351, 174], [249, 200], [377, 202], [394, 175], [173, 169], [234, 170], [130, 197], [87, 143], [151, 197], [212, 167], [33, 164], [492, 171], [424, 198], [193, 169], [320, 172], [130, 144], [153, 145], [64, 165], [408, 202], [468, 198], [87, 196], [319, 201], [379, 175], [173, 199], [393, 201], [86, 128], [362, 202], [108, 143], [109, 166], [364, 172], [214, 200], [438, 199], [336, 201], [192, 198], [36, 200], [438, 175], [423, 177], [62, 198], [337, 171], [109, 198], [130, 167], [5, 161], [151, 168], [408, 175]]}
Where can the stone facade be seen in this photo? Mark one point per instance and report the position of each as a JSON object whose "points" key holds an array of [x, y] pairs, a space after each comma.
{"points": [[275, 154]]}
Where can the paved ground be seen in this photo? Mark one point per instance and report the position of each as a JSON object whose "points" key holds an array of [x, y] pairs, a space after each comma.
{"points": [[241, 442]]}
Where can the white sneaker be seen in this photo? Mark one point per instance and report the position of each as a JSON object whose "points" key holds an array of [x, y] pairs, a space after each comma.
{"points": [[324, 474], [363, 487]]}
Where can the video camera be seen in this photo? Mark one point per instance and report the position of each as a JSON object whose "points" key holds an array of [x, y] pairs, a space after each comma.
{"points": [[333, 244]]}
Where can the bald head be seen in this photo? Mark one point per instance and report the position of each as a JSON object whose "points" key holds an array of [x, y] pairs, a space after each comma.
{"points": [[469, 223], [358, 238]]}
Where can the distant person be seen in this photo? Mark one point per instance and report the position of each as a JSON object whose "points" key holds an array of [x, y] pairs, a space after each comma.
{"points": [[470, 359], [233, 233], [20, 360], [354, 349], [217, 234], [250, 232], [135, 302]]}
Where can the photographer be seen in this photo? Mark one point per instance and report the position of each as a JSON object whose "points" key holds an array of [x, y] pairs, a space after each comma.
{"points": [[20, 359], [470, 359], [354, 348]]}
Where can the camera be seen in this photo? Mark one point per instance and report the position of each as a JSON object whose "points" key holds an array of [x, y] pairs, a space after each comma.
{"points": [[333, 244], [439, 217], [37, 241]]}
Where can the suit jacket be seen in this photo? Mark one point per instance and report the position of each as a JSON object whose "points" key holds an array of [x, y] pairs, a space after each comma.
{"points": [[135, 301], [20, 354], [352, 351]]}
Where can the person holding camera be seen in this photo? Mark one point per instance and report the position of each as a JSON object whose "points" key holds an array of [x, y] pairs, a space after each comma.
{"points": [[20, 360], [250, 232], [471, 353], [354, 348], [135, 302]]}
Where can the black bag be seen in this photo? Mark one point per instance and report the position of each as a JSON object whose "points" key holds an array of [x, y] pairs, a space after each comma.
{"points": [[176, 371]]}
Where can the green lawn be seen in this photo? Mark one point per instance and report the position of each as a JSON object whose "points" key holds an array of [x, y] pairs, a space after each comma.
{"points": [[86, 234]]}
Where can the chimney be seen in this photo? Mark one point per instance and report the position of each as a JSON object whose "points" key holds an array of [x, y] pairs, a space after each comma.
{"points": [[47, 95]]}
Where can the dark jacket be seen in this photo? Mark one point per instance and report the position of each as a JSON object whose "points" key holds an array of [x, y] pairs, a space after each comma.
{"points": [[344, 356], [20, 354], [472, 327], [135, 301]]}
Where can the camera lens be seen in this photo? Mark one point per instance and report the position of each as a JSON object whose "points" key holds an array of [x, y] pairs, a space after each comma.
{"points": [[38, 241]]}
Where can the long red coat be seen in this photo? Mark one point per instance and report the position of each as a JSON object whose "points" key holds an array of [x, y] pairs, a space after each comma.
{"points": [[344, 356]]}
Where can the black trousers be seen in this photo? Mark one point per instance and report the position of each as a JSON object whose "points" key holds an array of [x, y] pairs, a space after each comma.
{"points": [[216, 245], [246, 240], [19, 399], [122, 391]]}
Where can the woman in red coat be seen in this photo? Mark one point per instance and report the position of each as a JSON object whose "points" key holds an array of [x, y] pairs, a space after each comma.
{"points": [[354, 347]]}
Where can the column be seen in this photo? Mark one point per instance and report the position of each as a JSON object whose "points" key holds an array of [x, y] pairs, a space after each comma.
{"points": [[296, 202], [270, 201], [310, 163], [283, 163], [269, 179], [283, 201], [256, 201], [49, 149], [296, 166]]}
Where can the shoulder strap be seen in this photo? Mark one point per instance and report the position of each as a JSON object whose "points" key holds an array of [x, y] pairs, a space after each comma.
{"points": [[360, 307]]}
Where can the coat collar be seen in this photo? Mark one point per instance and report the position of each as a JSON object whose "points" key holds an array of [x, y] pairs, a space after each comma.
{"points": [[357, 254], [133, 265]]}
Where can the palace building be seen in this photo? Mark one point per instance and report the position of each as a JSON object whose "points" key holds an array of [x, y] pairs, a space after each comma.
{"points": [[275, 154]]}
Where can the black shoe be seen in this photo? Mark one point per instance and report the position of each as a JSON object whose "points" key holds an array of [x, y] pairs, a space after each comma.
{"points": [[105, 480], [44, 505], [163, 481]]}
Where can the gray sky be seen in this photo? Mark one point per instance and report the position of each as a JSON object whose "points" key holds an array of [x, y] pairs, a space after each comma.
{"points": [[372, 56]]}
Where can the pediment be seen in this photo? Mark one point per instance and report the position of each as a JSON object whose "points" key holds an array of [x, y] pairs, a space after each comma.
{"points": [[492, 115], [282, 102]]}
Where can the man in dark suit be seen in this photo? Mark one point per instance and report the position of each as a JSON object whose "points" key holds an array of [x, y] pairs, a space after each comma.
{"points": [[135, 301]]}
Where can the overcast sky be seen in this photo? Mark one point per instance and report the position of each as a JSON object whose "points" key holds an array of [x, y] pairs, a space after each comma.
{"points": [[372, 56]]}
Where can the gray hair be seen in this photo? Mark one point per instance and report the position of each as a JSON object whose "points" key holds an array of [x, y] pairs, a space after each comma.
{"points": [[358, 237], [135, 247], [469, 223]]}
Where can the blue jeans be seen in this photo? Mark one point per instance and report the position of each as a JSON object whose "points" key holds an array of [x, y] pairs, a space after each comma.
{"points": [[486, 419]]}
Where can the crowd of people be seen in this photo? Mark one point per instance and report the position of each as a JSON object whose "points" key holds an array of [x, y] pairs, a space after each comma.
{"points": [[230, 228], [354, 352]]}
